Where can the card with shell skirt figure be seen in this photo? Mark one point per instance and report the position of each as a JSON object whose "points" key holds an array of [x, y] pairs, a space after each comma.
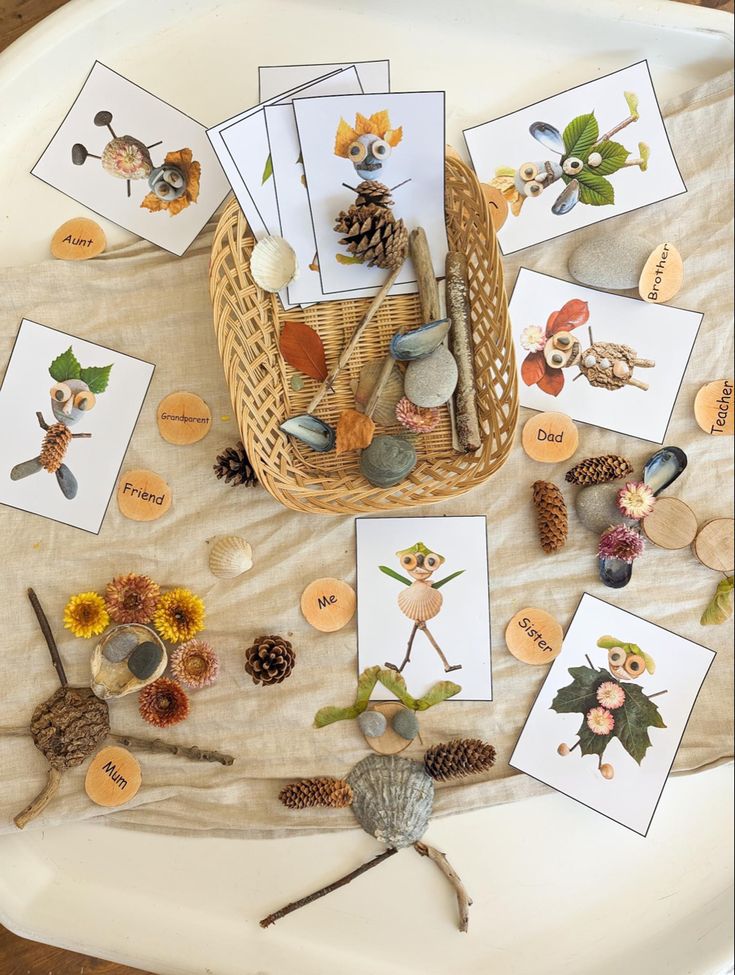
{"points": [[423, 605]]}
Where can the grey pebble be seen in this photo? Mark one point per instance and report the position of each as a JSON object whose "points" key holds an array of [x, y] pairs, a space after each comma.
{"points": [[406, 724], [611, 260], [372, 723], [387, 460], [144, 660], [431, 381], [120, 644], [596, 507]]}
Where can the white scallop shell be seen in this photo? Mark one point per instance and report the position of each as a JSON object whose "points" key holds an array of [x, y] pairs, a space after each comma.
{"points": [[230, 556], [273, 264], [392, 798], [112, 678], [420, 601]]}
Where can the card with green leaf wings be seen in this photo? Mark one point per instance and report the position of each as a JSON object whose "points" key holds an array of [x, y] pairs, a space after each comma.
{"points": [[609, 719]]}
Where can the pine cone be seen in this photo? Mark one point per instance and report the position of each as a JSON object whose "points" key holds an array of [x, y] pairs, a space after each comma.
{"points": [[551, 514], [322, 791], [234, 465], [69, 726], [599, 470], [371, 191], [373, 235], [57, 439], [455, 759], [269, 660]]}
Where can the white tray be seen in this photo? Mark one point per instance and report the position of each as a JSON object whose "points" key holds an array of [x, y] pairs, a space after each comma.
{"points": [[557, 889]]}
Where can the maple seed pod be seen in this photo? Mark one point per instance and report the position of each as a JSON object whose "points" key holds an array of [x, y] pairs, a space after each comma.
{"points": [[634, 665], [607, 771], [616, 657], [563, 750]]}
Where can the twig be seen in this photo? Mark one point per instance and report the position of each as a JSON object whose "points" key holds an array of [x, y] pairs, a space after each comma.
{"points": [[302, 902], [657, 694], [49, 637], [590, 662], [76, 436], [463, 898], [44, 797], [41, 422], [187, 751]]}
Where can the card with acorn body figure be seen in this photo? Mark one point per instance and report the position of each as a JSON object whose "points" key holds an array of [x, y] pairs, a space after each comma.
{"points": [[423, 601], [609, 719]]}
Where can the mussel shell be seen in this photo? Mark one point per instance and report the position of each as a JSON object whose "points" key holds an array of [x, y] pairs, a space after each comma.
{"points": [[310, 430], [388, 460], [392, 798], [663, 468], [615, 573], [406, 346]]}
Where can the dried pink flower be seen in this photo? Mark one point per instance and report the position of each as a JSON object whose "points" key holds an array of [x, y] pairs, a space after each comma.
{"points": [[600, 721], [636, 500], [195, 664], [620, 542], [610, 695], [419, 419]]}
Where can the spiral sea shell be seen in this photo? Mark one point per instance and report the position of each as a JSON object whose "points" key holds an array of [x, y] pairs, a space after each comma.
{"points": [[392, 798], [420, 601], [230, 557]]}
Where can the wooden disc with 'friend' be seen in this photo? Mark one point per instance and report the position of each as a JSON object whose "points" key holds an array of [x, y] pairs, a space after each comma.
{"points": [[143, 495], [113, 777]]}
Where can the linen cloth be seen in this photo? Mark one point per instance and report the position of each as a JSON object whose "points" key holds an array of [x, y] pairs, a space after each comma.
{"points": [[142, 301]]}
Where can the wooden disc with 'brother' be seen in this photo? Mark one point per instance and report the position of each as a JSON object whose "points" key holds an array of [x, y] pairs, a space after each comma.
{"points": [[78, 240], [550, 437], [328, 604], [713, 408], [143, 495], [113, 777], [662, 274], [183, 418], [534, 636]]}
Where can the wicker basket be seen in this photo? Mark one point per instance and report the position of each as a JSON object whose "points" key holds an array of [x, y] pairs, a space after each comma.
{"points": [[247, 322]]}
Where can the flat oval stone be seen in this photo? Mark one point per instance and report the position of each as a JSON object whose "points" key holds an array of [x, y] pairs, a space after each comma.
{"points": [[431, 381], [120, 645], [387, 460], [611, 260], [372, 723], [406, 724], [596, 507], [144, 660]]}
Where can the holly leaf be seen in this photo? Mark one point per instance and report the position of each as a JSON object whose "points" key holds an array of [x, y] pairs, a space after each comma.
{"points": [[579, 696], [65, 366], [395, 575], [595, 190], [302, 348], [552, 382], [719, 608], [613, 155], [580, 135], [365, 684], [633, 720], [96, 377], [590, 743], [533, 368], [268, 170], [446, 579]]}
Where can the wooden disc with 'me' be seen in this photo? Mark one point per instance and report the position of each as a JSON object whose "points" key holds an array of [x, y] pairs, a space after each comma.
{"points": [[390, 742], [78, 240], [143, 495], [328, 604], [113, 777], [672, 524], [534, 637], [183, 418], [713, 546], [550, 437], [713, 408]]}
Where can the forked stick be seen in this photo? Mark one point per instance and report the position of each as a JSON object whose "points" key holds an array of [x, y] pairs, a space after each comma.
{"points": [[44, 797], [463, 898]]}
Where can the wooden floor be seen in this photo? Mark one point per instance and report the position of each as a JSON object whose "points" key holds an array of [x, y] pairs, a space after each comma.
{"points": [[19, 957]]}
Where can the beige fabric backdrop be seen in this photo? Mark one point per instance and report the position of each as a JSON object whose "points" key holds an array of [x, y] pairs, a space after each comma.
{"points": [[142, 301]]}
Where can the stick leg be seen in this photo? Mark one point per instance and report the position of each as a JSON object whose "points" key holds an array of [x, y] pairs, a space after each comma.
{"points": [[445, 663], [644, 363], [463, 898], [44, 797], [408, 651], [637, 383]]}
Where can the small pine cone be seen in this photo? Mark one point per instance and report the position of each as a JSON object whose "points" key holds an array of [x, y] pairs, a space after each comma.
{"points": [[373, 235], [551, 515], [371, 191], [68, 726], [455, 759], [599, 470], [269, 660], [53, 449], [234, 465], [321, 791]]}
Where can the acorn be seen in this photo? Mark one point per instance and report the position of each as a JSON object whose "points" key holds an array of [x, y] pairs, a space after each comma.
{"points": [[634, 665], [594, 159], [563, 750], [616, 657], [607, 771]]}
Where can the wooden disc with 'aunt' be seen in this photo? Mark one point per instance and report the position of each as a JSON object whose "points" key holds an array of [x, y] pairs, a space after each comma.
{"points": [[183, 418], [550, 437], [662, 274], [328, 604], [78, 240], [113, 777], [713, 546], [143, 495], [534, 636], [672, 524], [713, 408]]}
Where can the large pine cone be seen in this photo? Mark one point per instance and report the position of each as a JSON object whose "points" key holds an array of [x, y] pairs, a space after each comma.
{"points": [[54, 447], [551, 516], [599, 470], [373, 235], [322, 791], [269, 660], [455, 759], [371, 191], [69, 726], [234, 465]]}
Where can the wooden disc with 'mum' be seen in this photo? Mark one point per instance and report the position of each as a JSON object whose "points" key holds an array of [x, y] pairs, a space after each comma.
{"points": [[113, 777]]}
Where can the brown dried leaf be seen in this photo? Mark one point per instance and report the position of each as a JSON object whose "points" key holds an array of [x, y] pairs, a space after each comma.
{"points": [[302, 348], [354, 431]]}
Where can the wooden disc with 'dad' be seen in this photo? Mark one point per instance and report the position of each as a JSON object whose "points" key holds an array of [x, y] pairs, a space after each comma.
{"points": [[672, 524], [143, 495], [183, 418], [534, 636], [328, 604], [113, 777], [550, 437]]}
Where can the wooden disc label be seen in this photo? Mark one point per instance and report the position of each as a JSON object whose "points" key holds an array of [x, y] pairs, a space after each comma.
{"points": [[672, 524], [550, 437], [534, 636], [713, 408], [662, 274], [113, 777], [714, 544], [183, 418], [143, 495], [78, 240], [328, 604]]}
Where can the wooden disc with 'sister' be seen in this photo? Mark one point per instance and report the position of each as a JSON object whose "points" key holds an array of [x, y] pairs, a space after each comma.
{"points": [[183, 418], [78, 240], [390, 742], [713, 546], [143, 495], [328, 604], [534, 636], [713, 408], [550, 437], [113, 777], [662, 274], [672, 524]]}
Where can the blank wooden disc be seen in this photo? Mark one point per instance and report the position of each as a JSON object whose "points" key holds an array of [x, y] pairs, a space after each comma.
{"points": [[143, 495], [183, 418], [672, 524], [713, 408], [534, 636], [328, 604], [550, 437], [713, 546], [390, 742], [662, 274], [113, 777], [78, 240]]}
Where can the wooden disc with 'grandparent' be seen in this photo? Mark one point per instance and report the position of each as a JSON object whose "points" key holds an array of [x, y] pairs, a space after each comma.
{"points": [[672, 524], [550, 437], [534, 636], [113, 777], [713, 546], [78, 240], [143, 495], [183, 418], [328, 604], [713, 408]]}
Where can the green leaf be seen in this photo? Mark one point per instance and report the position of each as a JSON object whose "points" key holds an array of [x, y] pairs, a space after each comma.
{"points": [[579, 696], [632, 100], [96, 377], [365, 684], [441, 691], [268, 170], [580, 135], [66, 366], [590, 743], [719, 608], [633, 720], [395, 683], [446, 579], [613, 158], [595, 190], [395, 575]]}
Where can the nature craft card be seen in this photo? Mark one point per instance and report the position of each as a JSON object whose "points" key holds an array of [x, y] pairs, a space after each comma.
{"points": [[609, 719], [72, 407], [579, 157], [422, 601], [274, 79], [601, 358], [136, 160], [396, 139]]}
